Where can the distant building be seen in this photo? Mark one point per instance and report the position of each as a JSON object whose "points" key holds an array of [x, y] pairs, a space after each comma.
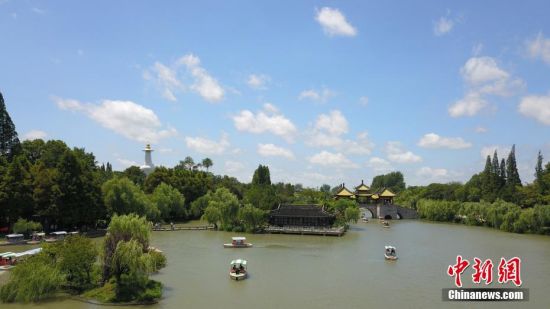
{"points": [[300, 215], [148, 167], [364, 195]]}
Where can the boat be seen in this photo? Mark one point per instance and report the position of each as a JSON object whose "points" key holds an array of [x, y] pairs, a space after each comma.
{"points": [[238, 270], [8, 260], [238, 242], [390, 253], [385, 224], [365, 220], [14, 239], [56, 236], [37, 238]]}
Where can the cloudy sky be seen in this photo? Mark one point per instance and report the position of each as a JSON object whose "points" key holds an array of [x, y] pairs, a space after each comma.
{"points": [[321, 91]]}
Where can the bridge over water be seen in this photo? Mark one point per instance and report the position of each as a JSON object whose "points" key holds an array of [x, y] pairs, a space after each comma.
{"points": [[389, 211]]}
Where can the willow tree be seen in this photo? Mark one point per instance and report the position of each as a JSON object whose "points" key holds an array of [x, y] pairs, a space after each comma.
{"points": [[123, 229]]}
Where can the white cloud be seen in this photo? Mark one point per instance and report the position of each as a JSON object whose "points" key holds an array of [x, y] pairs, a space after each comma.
{"points": [[537, 107], [361, 146], [483, 77], [396, 153], [268, 120], [476, 49], [432, 173], [166, 79], [479, 70], [258, 81], [379, 165], [539, 48], [38, 11], [470, 105], [502, 151], [126, 118], [328, 130], [326, 158], [364, 101], [432, 140], [443, 26], [127, 163], [35, 134], [334, 123], [231, 167], [207, 146], [169, 83], [270, 150], [270, 108], [204, 84], [334, 23], [481, 129], [320, 96]]}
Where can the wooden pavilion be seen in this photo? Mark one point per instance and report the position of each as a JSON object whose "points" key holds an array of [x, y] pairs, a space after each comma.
{"points": [[300, 215]]}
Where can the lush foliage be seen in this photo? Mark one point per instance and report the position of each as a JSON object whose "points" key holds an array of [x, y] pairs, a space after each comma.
{"points": [[393, 181], [75, 258], [26, 227], [32, 281], [128, 260], [346, 211], [499, 214], [9, 142]]}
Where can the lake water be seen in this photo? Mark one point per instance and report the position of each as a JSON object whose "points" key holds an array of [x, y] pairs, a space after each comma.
{"points": [[293, 271]]}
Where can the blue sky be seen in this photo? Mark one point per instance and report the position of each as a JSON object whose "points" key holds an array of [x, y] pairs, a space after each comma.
{"points": [[321, 91]]}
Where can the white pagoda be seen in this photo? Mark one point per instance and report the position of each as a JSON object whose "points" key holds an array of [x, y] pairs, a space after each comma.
{"points": [[148, 167]]}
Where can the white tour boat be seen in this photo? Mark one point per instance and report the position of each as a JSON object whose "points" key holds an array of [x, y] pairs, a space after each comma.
{"points": [[390, 253], [238, 270], [238, 242]]}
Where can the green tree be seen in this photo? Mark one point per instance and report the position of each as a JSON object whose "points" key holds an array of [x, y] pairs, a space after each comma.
{"points": [[512, 174], [123, 229], [188, 163], [130, 268], [261, 176], [261, 196], [121, 196], [31, 281], [46, 191], [352, 214], [393, 181], [75, 258], [539, 174], [135, 174], [16, 191], [169, 201], [80, 199], [212, 215], [26, 227], [9, 142], [207, 163], [252, 218]]}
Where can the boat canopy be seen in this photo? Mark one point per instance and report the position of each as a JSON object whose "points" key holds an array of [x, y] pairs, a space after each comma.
{"points": [[239, 238], [238, 262], [40, 234], [59, 233], [6, 255], [14, 236], [29, 252], [390, 247]]}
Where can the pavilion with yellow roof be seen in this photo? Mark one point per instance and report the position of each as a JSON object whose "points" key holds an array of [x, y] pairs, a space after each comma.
{"points": [[364, 195]]}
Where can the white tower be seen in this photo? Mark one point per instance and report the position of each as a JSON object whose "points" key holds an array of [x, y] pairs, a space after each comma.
{"points": [[149, 166]]}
